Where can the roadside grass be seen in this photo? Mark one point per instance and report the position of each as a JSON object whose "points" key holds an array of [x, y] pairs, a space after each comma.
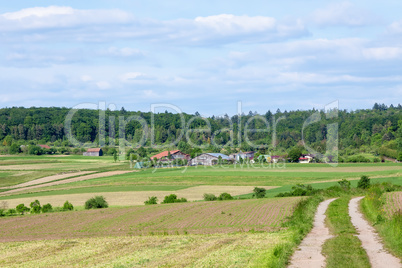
{"points": [[388, 227], [343, 250]]}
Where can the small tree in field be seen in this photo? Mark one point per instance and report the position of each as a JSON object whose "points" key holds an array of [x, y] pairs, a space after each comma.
{"points": [[21, 208], [153, 200], [259, 192], [345, 184], [96, 202], [35, 207], [68, 206], [47, 208], [364, 182]]}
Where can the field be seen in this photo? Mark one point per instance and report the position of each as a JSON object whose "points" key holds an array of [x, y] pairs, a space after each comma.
{"points": [[233, 233], [393, 203]]}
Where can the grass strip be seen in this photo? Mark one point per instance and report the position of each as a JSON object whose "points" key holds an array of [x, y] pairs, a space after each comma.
{"points": [[388, 227], [345, 249], [297, 227]]}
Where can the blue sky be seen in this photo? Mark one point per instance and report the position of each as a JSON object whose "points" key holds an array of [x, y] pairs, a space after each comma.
{"points": [[204, 56]]}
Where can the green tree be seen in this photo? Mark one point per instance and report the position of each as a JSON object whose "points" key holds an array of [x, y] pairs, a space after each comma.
{"points": [[68, 206], [295, 154], [259, 192], [96, 202], [47, 208], [14, 149], [364, 182], [35, 207], [153, 200], [21, 208], [115, 156]]}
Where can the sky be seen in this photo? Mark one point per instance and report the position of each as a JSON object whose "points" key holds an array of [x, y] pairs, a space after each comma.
{"points": [[204, 56]]}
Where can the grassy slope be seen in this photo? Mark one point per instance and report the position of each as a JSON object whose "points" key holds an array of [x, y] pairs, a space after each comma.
{"points": [[344, 250]]}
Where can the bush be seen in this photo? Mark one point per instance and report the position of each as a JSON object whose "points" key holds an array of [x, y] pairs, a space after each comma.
{"points": [[2, 212], [259, 192], [299, 190], [153, 200], [210, 197], [68, 206], [345, 184], [173, 199], [400, 157], [96, 202], [11, 212], [47, 208], [35, 207], [364, 182], [225, 196], [21, 208]]}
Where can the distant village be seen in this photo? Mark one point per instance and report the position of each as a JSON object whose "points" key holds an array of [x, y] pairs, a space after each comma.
{"points": [[176, 157]]}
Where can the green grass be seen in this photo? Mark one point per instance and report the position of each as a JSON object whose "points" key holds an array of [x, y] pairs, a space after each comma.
{"points": [[390, 229], [344, 250]]}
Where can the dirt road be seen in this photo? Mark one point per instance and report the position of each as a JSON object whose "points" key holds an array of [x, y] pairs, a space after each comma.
{"points": [[370, 242], [308, 255]]}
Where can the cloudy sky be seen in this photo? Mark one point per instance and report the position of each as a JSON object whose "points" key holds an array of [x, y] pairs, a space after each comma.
{"points": [[204, 56]]}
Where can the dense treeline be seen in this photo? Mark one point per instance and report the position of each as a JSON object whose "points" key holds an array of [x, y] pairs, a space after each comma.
{"points": [[377, 130]]}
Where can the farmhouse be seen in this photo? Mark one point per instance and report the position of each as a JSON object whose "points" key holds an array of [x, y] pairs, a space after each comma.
{"points": [[208, 159], [44, 146], [93, 152], [175, 154], [304, 159]]}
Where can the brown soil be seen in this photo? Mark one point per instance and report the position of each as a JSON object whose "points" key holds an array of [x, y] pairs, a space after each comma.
{"points": [[193, 218], [309, 254], [370, 241], [81, 178]]}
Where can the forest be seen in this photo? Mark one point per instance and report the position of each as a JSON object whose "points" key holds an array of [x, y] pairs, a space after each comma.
{"points": [[377, 131]]}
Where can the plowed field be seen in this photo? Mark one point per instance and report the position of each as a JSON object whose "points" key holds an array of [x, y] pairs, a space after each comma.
{"points": [[185, 218]]}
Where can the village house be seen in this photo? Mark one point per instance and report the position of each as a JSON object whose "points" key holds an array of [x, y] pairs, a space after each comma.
{"points": [[307, 158], [175, 154], [93, 152], [208, 159]]}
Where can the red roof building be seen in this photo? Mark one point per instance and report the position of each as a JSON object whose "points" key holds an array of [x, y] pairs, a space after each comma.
{"points": [[93, 152], [175, 154], [44, 146]]}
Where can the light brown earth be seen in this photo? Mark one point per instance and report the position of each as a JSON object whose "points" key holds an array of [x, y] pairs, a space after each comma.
{"points": [[135, 198], [48, 179], [378, 257], [308, 255], [80, 178]]}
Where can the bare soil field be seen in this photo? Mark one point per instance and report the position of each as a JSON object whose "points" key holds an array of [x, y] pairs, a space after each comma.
{"points": [[393, 203], [135, 198], [180, 218], [79, 178]]}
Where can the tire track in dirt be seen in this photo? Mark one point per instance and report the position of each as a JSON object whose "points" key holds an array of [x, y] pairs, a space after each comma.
{"points": [[370, 241], [309, 254]]}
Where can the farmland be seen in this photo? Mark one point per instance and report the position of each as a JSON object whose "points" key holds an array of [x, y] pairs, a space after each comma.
{"points": [[393, 203]]}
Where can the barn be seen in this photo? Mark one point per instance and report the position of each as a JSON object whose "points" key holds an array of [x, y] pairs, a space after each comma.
{"points": [[93, 152], [208, 159]]}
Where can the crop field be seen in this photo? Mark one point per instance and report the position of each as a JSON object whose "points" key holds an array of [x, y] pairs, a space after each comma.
{"points": [[216, 250], [186, 218], [393, 203]]}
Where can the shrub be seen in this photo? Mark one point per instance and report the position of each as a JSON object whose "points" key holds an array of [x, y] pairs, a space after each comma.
{"points": [[11, 212], [47, 208], [2, 212], [376, 160], [21, 208], [299, 190], [364, 182], [345, 184], [400, 157], [35, 207], [153, 200], [173, 199], [210, 197], [259, 192], [96, 202], [68, 206], [225, 196]]}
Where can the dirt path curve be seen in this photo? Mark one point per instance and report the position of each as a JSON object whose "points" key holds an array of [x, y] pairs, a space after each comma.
{"points": [[81, 178], [370, 242], [309, 254]]}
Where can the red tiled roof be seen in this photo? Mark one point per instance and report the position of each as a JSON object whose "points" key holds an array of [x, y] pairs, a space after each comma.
{"points": [[93, 150], [164, 154], [44, 146]]}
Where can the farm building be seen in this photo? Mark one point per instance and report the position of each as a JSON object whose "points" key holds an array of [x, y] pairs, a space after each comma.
{"points": [[208, 159], [306, 159], [175, 154], [44, 146], [93, 152]]}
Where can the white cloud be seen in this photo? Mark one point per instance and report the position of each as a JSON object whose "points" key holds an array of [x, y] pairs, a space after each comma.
{"points": [[383, 53], [342, 14], [103, 85], [127, 77], [123, 52], [86, 78]]}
